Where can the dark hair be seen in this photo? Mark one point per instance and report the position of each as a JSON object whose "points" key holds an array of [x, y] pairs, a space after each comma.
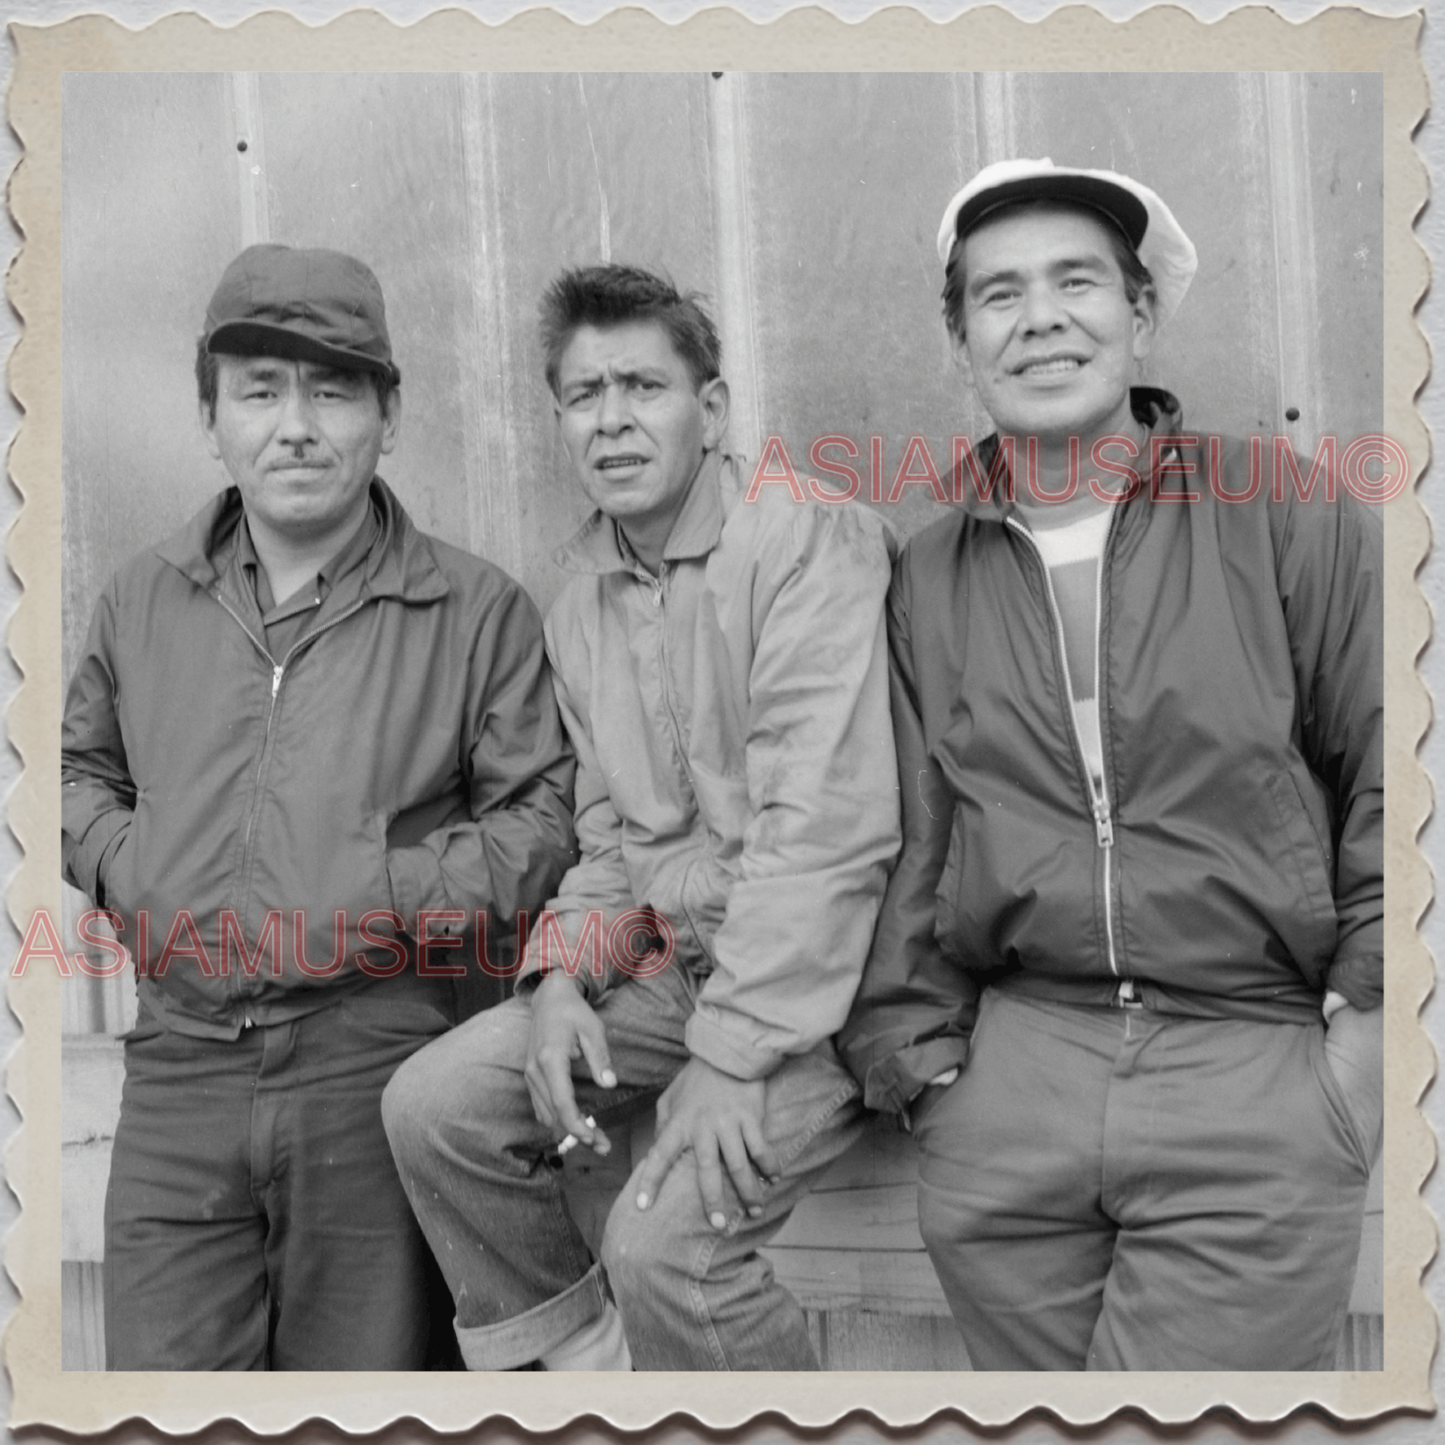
{"points": [[1136, 273], [605, 296], [207, 370]]}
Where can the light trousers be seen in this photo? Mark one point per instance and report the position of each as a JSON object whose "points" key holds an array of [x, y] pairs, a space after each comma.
{"points": [[480, 1171], [1115, 1189]]}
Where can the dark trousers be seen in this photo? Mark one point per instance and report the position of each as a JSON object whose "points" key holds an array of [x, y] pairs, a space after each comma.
{"points": [[1115, 1189], [254, 1219]]}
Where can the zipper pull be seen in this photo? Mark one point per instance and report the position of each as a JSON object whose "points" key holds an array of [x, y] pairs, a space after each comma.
{"points": [[1103, 823], [276, 680]]}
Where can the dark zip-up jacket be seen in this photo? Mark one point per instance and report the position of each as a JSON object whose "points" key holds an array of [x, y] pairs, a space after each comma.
{"points": [[405, 754], [1235, 867]]}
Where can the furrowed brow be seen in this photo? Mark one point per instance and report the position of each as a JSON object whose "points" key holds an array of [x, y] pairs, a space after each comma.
{"points": [[644, 373]]}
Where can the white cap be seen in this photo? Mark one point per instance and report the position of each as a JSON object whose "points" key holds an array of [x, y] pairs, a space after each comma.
{"points": [[1145, 220]]}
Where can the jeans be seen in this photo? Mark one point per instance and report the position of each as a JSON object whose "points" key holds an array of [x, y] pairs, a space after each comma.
{"points": [[475, 1163], [254, 1219], [1118, 1189]]}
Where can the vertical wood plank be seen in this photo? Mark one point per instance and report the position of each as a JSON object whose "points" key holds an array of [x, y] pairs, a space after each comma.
{"points": [[996, 98], [373, 165], [1294, 261], [490, 424], [1347, 225], [82, 1316], [847, 178], [247, 130], [732, 194], [150, 205]]}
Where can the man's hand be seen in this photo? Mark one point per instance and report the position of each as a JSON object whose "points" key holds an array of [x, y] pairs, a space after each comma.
{"points": [[1355, 1047], [720, 1119], [565, 1029]]}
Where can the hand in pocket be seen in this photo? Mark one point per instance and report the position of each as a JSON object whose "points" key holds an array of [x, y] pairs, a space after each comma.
{"points": [[1355, 1049], [114, 888]]}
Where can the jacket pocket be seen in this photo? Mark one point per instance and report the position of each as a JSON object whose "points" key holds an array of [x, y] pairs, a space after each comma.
{"points": [[1335, 1100], [124, 879], [1307, 922]]}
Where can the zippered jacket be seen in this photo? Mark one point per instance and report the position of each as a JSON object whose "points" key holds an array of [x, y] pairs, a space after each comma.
{"points": [[736, 773], [406, 754], [1233, 866]]}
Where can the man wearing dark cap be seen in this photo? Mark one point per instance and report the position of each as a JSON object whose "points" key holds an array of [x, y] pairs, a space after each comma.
{"points": [[1127, 979], [302, 736]]}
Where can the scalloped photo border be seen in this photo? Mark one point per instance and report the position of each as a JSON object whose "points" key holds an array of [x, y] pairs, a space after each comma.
{"points": [[1161, 39]]}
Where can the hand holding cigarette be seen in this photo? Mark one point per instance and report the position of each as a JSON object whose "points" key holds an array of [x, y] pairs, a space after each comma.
{"points": [[572, 1141]]}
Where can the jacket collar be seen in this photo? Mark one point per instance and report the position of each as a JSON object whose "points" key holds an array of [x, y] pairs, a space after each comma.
{"points": [[1154, 409], [598, 547], [399, 562]]}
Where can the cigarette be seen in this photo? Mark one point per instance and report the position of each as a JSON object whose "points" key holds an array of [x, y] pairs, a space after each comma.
{"points": [[572, 1141]]}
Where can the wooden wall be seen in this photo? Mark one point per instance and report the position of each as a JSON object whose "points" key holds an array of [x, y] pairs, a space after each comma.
{"points": [[804, 206]]}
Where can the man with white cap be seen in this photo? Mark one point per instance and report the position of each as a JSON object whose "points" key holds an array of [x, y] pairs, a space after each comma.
{"points": [[302, 737], [1126, 982]]}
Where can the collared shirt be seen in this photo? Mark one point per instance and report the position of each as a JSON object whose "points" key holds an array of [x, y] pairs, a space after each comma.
{"points": [[736, 771], [287, 620]]}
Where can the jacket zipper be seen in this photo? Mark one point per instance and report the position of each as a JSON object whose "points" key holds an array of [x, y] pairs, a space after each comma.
{"points": [[278, 670], [659, 601], [1098, 796]]}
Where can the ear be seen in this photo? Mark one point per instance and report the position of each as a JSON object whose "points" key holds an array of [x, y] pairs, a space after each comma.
{"points": [[207, 417], [391, 419], [714, 398], [1146, 319], [961, 358]]}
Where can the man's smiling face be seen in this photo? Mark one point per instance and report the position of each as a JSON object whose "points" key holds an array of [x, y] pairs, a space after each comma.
{"points": [[1051, 336], [636, 425]]}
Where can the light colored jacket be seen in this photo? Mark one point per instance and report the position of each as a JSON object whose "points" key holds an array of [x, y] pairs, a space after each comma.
{"points": [[736, 769]]}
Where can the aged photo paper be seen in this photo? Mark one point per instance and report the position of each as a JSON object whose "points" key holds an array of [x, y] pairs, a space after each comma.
{"points": [[794, 172]]}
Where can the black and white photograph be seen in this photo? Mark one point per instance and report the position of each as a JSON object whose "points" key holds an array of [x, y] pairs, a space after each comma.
{"points": [[728, 720]]}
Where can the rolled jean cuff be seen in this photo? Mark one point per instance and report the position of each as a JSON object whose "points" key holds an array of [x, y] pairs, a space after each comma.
{"points": [[526, 1337]]}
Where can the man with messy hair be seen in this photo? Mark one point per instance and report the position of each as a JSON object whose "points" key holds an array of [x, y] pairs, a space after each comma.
{"points": [[721, 671]]}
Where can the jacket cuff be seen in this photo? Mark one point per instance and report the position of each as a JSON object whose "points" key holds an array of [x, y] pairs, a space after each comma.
{"points": [[415, 876], [531, 974], [892, 1083], [93, 853], [709, 1041], [1361, 980]]}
